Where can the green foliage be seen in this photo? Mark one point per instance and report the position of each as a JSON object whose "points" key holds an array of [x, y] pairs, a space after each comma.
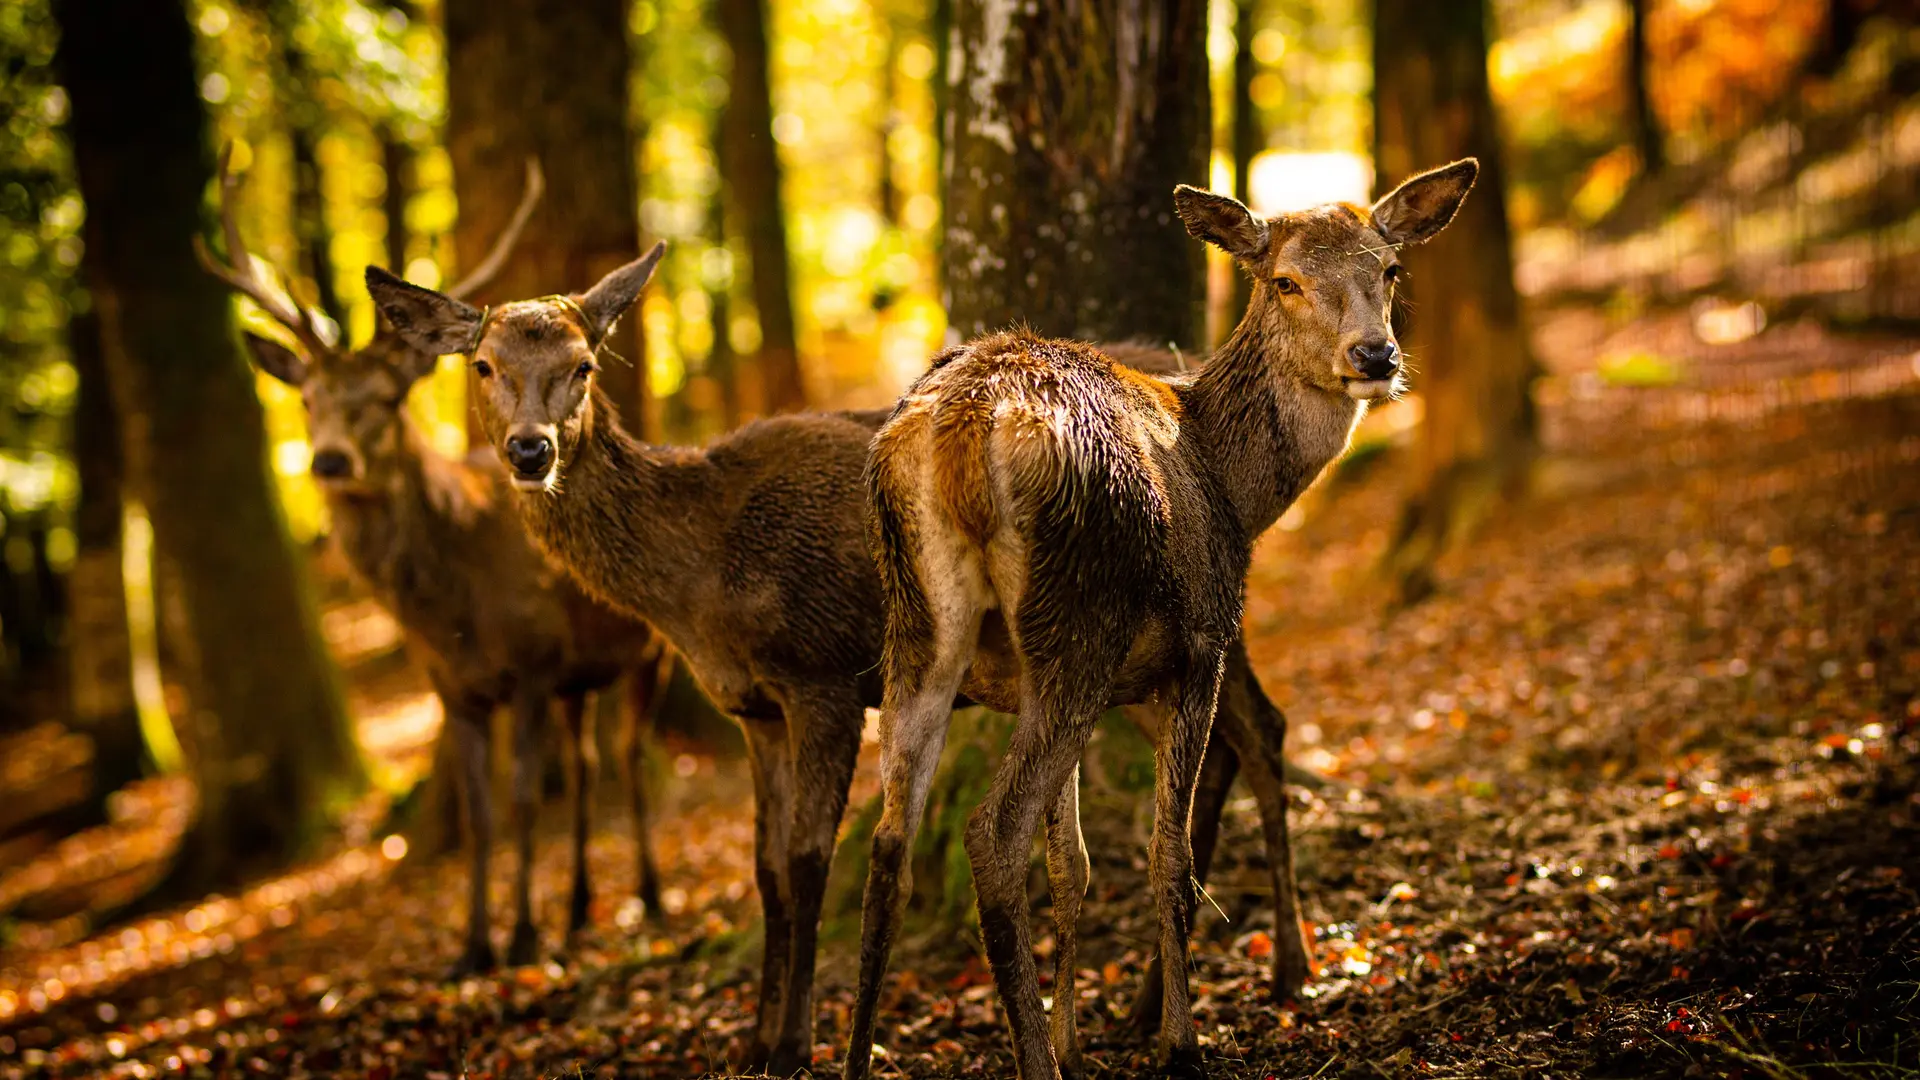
{"points": [[1639, 369]]}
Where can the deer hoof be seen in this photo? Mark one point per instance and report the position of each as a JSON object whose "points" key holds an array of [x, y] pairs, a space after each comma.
{"points": [[477, 960], [524, 949]]}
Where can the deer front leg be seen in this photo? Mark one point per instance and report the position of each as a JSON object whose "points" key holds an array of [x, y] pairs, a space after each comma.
{"points": [[1170, 855], [824, 732], [529, 713], [1067, 876], [467, 726], [767, 760], [1217, 772], [646, 685], [584, 756]]}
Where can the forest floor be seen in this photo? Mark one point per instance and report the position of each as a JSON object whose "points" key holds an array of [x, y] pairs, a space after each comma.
{"points": [[1635, 794]]}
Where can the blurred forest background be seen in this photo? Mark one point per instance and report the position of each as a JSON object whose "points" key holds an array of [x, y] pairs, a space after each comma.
{"points": [[1732, 163]]}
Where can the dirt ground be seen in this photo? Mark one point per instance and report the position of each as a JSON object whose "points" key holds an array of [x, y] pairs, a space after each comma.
{"points": [[1634, 795]]}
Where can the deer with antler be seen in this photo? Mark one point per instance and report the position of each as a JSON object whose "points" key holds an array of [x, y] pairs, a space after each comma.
{"points": [[492, 623], [1058, 533]]}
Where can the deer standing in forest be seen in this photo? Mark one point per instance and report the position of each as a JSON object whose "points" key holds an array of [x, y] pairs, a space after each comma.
{"points": [[1058, 534], [752, 557], [491, 622]]}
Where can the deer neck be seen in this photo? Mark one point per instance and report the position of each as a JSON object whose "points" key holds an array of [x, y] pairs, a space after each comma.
{"points": [[400, 519], [622, 520], [1268, 432]]}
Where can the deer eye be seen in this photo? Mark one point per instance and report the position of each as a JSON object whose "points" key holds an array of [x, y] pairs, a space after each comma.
{"points": [[483, 369], [1286, 285], [586, 368]]}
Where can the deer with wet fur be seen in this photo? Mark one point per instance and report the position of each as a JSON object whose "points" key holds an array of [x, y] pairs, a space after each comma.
{"points": [[1058, 533], [491, 623], [751, 556]]}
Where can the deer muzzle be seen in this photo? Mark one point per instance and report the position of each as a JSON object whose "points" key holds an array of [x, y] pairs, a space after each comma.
{"points": [[530, 455]]}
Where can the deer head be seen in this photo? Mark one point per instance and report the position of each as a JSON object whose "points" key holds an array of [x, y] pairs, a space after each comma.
{"points": [[353, 397], [1323, 279], [534, 359]]}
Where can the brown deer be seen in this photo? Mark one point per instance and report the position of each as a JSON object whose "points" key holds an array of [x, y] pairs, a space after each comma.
{"points": [[752, 557], [1058, 533], [492, 624]]}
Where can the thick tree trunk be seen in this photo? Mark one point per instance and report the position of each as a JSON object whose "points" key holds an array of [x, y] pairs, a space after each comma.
{"points": [[1467, 342], [100, 645], [750, 167], [526, 78], [1069, 133], [1646, 125], [273, 750], [1247, 141]]}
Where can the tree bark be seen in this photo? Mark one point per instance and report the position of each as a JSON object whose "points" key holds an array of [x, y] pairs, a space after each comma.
{"points": [[100, 645], [750, 167], [396, 160], [305, 121], [1069, 133], [1248, 140], [272, 749], [1646, 125], [527, 78], [1468, 344]]}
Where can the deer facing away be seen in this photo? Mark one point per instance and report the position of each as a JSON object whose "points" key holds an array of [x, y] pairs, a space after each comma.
{"points": [[491, 622], [752, 557], [1058, 533]]}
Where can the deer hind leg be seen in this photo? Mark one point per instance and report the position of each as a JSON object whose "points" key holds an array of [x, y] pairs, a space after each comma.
{"points": [[824, 731], [1170, 854], [529, 713], [469, 730], [646, 685], [1258, 730], [1217, 772], [1067, 876], [583, 754], [768, 761]]}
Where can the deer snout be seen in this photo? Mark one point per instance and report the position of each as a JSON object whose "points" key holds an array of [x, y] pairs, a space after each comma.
{"points": [[1376, 359], [332, 465], [530, 454]]}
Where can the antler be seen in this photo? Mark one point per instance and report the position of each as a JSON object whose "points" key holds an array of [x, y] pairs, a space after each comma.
{"points": [[238, 272], [503, 247]]}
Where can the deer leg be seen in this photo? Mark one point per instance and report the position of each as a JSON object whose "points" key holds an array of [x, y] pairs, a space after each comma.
{"points": [[767, 760], [646, 685], [825, 736], [1217, 772], [468, 729], [584, 754], [1258, 731], [1170, 855], [1040, 761], [529, 712], [1067, 876], [913, 731]]}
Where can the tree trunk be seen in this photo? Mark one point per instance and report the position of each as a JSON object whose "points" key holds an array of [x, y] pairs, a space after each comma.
{"points": [[396, 160], [1068, 136], [525, 79], [750, 167], [1431, 105], [305, 121], [1248, 140], [723, 367], [1646, 126], [273, 750], [100, 645]]}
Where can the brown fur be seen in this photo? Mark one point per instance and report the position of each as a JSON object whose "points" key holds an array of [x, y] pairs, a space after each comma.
{"points": [[1124, 514], [751, 556]]}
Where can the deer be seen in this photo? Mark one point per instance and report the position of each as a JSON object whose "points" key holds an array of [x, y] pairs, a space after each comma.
{"points": [[490, 622], [752, 557], [1058, 533]]}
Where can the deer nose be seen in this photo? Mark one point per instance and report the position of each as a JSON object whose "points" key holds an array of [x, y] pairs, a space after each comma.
{"points": [[1375, 359], [530, 455], [331, 465]]}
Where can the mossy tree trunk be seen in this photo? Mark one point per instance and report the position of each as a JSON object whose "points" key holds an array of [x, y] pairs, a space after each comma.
{"points": [[750, 169], [272, 749], [1467, 343], [526, 78]]}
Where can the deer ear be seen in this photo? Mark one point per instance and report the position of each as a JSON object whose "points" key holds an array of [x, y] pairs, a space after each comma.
{"points": [[612, 295], [1224, 222], [1421, 207], [431, 322], [276, 359]]}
